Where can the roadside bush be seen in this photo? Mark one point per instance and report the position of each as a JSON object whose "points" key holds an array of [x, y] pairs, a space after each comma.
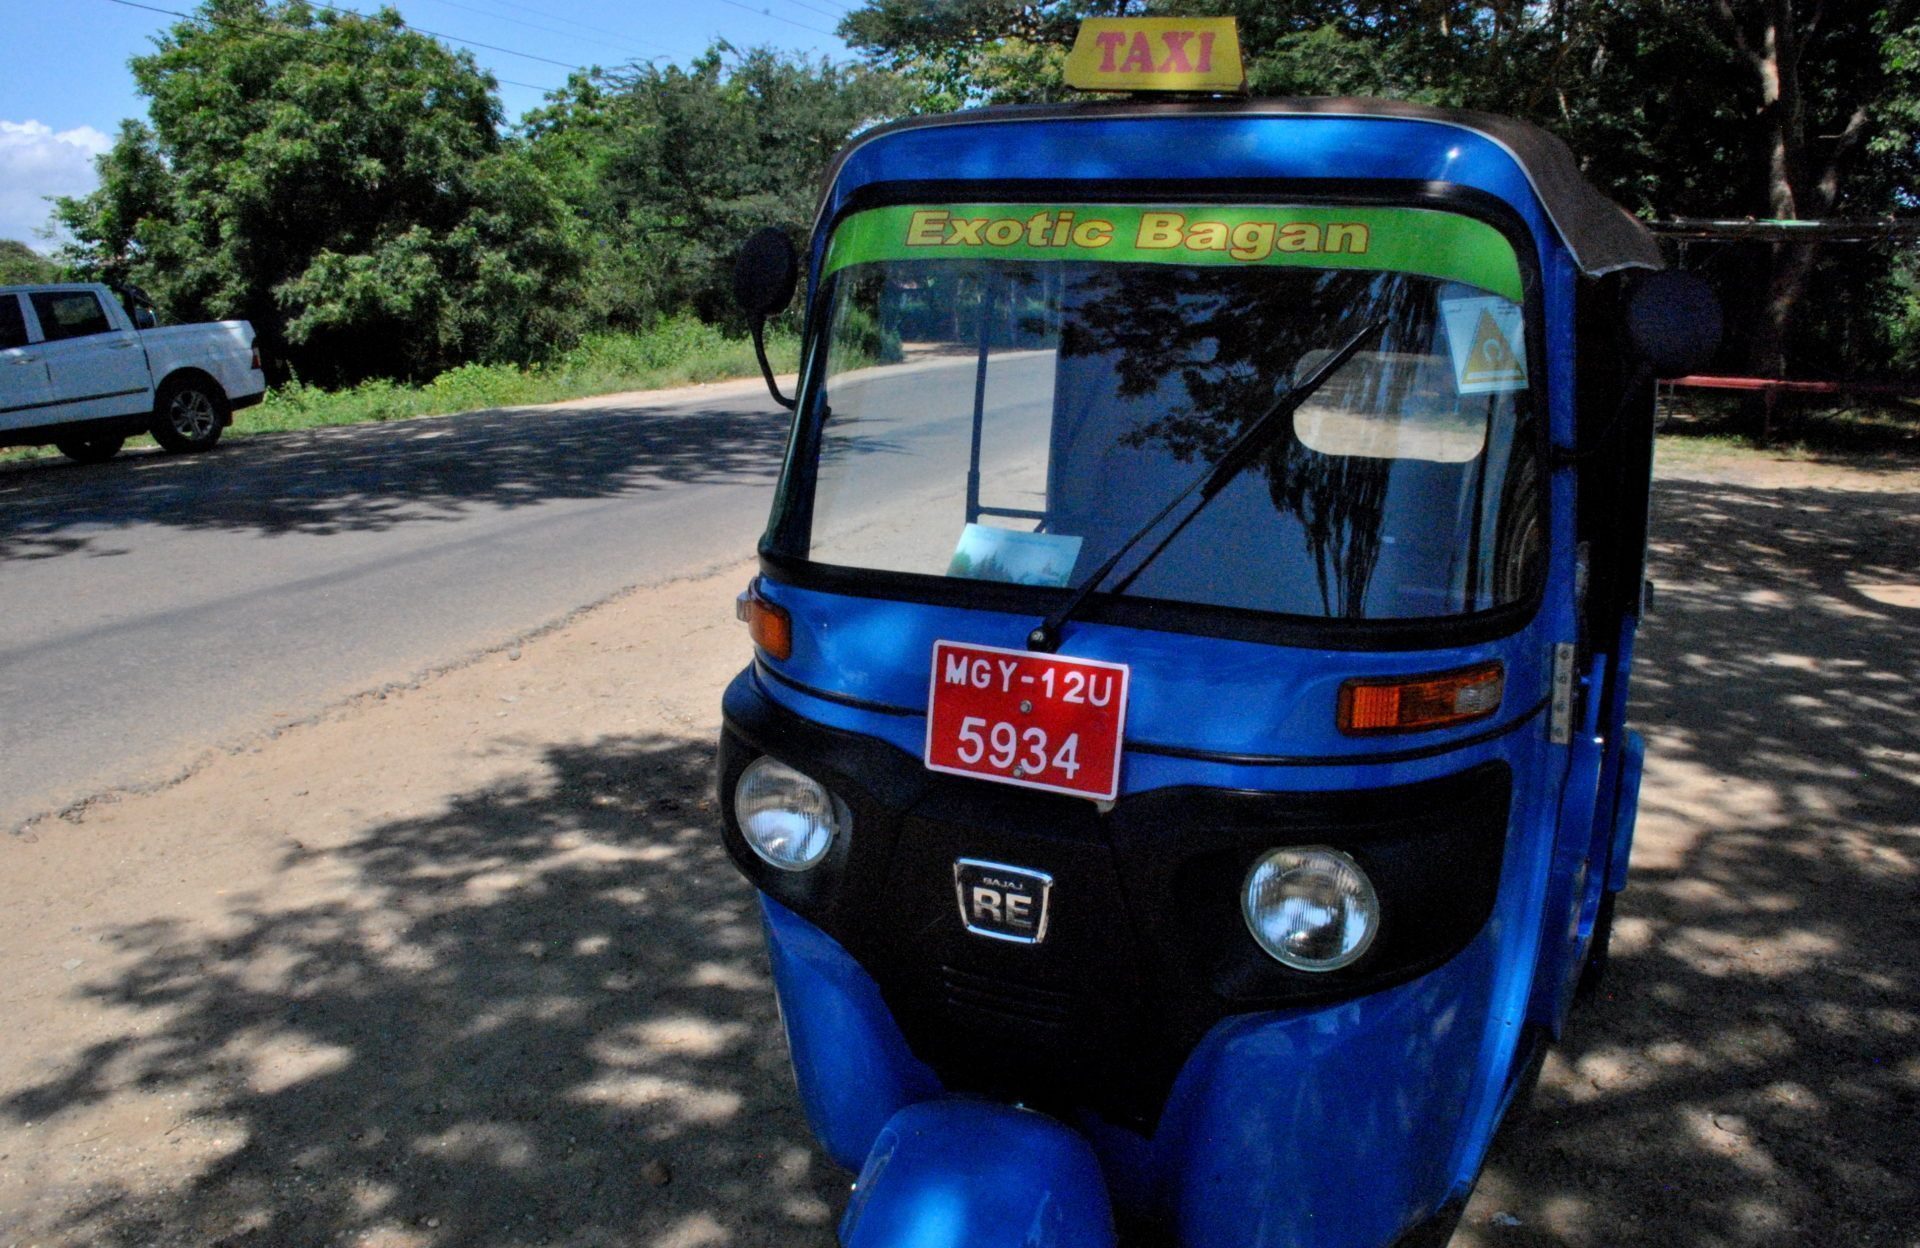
{"points": [[341, 181], [676, 351]]}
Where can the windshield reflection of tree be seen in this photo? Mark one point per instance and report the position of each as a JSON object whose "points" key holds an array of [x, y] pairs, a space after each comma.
{"points": [[954, 307], [1234, 342]]}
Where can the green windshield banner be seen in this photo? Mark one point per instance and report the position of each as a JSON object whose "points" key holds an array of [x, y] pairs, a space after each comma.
{"points": [[1421, 241]]}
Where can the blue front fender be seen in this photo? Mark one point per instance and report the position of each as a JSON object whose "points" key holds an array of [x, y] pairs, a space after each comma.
{"points": [[853, 1065], [1336, 1127], [974, 1174]]}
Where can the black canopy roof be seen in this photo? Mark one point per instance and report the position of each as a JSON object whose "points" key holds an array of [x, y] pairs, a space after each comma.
{"points": [[1602, 236]]}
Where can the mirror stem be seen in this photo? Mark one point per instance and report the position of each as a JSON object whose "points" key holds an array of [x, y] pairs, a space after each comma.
{"points": [[766, 367]]}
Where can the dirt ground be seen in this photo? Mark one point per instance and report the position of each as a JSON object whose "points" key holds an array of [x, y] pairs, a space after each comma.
{"points": [[464, 965]]}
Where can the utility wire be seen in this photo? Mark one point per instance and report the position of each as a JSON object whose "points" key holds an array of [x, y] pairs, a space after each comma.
{"points": [[289, 33], [776, 17], [471, 43], [552, 30], [836, 16], [527, 8]]}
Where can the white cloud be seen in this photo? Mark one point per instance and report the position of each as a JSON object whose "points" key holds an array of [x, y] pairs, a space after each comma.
{"points": [[36, 161]]}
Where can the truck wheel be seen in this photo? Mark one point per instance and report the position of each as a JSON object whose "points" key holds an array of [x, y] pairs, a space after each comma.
{"points": [[189, 416], [91, 450]]}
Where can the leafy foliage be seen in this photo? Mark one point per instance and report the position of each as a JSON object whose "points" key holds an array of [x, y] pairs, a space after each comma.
{"points": [[21, 265], [672, 167], [967, 52], [677, 351], [339, 181], [346, 185], [1719, 108]]}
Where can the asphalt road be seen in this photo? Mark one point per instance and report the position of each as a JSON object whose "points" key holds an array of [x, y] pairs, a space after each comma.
{"points": [[159, 606]]}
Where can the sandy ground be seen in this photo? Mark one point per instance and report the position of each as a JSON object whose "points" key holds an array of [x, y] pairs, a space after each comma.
{"points": [[463, 964]]}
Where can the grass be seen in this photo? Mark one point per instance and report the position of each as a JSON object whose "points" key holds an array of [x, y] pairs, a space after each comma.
{"points": [[1852, 430], [676, 352], [683, 350]]}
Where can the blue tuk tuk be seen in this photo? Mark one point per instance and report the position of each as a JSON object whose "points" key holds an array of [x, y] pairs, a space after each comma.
{"points": [[1184, 762]]}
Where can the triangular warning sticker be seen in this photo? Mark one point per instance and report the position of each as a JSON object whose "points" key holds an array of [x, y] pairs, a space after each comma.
{"points": [[1491, 356], [1487, 340]]}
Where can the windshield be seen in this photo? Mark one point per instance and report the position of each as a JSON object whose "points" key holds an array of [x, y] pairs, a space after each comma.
{"points": [[1009, 391]]}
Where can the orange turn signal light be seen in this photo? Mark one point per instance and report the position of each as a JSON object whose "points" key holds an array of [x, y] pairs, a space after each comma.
{"points": [[1416, 703], [770, 627]]}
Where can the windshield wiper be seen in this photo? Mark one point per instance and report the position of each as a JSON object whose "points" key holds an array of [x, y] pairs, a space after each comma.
{"points": [[1256, 439]]}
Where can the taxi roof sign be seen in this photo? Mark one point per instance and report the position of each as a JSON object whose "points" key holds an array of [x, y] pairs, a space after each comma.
{"points": [[1157, 54]]}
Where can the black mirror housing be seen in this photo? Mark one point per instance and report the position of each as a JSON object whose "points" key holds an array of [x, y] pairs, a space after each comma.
{"points": [[765, 272], [1675, 322]]}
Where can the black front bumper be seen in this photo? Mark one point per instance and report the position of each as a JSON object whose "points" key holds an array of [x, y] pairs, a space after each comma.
{"points": [[1146, 948]]}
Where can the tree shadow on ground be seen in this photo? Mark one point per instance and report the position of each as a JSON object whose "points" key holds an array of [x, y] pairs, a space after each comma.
{"points": [[369, 478], [1750, 1073], [537, 993], [517, 1012]]}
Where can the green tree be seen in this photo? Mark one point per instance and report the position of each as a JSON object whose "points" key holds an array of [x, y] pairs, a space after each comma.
{"points": [[135, 187], [339, 181], [671, 167], [967, 52], [1836, 98], [1764, 108], [21, 265]]}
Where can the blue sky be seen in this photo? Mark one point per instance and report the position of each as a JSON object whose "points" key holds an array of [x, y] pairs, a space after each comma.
{"points": [[66, 86]]}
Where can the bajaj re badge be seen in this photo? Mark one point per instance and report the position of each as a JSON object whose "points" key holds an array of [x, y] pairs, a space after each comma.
{"points": [[1005, 903]]}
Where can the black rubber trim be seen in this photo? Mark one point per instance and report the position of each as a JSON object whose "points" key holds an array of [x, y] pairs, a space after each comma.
{"points": [[1437, 1230], [762, 668], [1322, 760], [83, 398], [1159, 614]]}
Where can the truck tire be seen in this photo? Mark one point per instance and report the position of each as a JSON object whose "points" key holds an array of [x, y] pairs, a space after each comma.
{"points": [[90, 450], [188, 416]]}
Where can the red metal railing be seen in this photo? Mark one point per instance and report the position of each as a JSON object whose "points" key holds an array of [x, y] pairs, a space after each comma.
{"points": [[1782, 385]]}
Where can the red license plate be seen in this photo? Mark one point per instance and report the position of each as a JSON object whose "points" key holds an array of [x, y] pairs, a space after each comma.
{"points": [[1034, 720]]}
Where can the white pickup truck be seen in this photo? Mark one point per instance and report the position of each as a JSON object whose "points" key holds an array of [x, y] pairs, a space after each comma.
{"points": [[84, 371]]}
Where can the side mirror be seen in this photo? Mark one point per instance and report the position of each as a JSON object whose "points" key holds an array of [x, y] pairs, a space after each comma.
{"points": [[1674, 321], [764, 276], [765, 272]]}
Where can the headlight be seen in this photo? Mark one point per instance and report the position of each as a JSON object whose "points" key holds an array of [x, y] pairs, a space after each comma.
{"points": [[789, 819], [1312, 909]]}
